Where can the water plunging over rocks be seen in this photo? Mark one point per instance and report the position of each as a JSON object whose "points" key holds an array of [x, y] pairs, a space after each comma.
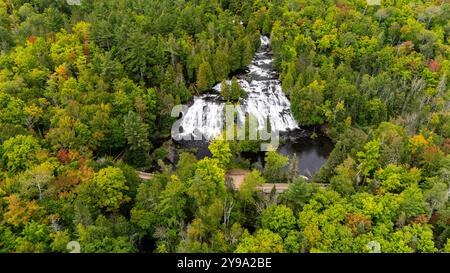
{"points": [[265, 100]]}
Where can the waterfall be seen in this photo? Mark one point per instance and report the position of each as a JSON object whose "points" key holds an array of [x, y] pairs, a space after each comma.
{"points": [[265, 99]]}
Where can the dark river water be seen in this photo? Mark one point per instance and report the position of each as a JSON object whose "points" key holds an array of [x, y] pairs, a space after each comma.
{"points": [[311, 153]]}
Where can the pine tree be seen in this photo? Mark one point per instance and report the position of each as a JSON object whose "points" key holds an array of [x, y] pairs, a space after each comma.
{"points": [[247, 56], [236, 55], [205, 77], [267, 25], [293, 171], [236, 90], [225, 90], [202, 82], [288, 80], [221, 65], [136, 133], [287, 84]]}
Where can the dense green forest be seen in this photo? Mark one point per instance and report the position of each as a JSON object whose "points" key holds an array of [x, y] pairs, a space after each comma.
{"points": [[86, 93]]}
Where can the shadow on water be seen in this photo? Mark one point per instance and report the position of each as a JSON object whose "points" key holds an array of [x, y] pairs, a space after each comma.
{"points": [[311, 153]]}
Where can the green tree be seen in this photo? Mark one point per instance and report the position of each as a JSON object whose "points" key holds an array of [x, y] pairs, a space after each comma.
{"points": [[109, 187], [35, 238], [437, 196], [220, 149], [274, 167], [247, 55], [144, 214], [35, 181], [171, 211], [279, 219], [152, 109], [136, 132], [343, 181], [249, 187], [106, 236], [18, 152], [369, 158], [264, 241], [173, 201], [288, 80], [7, 240], [205, 77], [137, 135], [236, 55], [225, 90], [221, 65], [307, 104], [12, 109], [186, 166], [396, 178], [6, 36], [208, 184], [293, 167], [298, 194], [236, 90], [447, 247], [411, 238], [411, 204]]}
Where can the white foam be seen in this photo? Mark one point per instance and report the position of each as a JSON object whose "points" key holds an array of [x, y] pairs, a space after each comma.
{"points": [[265, 98]]}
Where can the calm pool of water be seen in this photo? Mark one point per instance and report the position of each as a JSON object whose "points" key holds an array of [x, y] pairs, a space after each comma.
{"points": [[311, 153]]}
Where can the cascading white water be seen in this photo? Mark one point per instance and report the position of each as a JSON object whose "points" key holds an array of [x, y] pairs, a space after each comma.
{"points": [[265, 100]]}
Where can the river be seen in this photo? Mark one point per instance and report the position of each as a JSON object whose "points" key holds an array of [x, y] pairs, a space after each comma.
{"points": [[205, 119]]}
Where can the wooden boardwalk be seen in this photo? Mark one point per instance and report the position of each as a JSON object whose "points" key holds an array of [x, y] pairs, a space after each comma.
{"points": [[145, 176], [238, 177]]}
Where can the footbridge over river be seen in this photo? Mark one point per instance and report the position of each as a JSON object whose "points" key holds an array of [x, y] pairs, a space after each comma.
{"points": [[238, 176]]}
